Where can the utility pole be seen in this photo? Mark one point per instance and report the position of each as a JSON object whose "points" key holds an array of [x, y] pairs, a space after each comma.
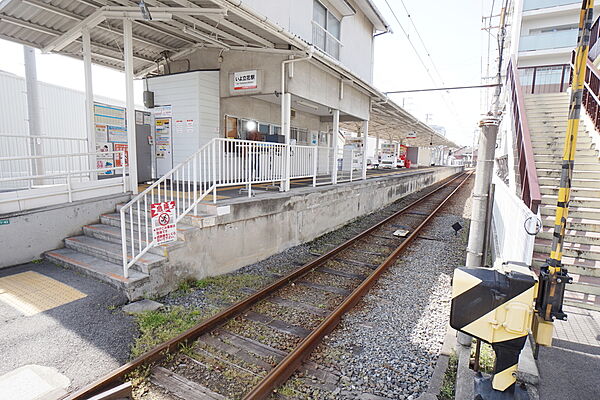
{"points": [[483, 174], [33, 111]]}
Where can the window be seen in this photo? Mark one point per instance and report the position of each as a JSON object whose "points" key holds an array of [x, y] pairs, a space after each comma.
{"points": [[326, 30]]}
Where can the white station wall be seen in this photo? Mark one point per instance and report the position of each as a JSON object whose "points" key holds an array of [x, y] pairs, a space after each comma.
{"points": [[193, 96], [62, 109]]}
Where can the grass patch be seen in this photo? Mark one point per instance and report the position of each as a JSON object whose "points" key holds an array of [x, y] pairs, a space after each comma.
{"points": [[448, 389], [159, 326], [487, 357]]}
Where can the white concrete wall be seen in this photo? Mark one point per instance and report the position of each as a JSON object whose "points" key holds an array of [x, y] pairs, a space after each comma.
{"points": [[31, 233], [62, 109], [257, 229], [356, 30], [193, 96]]}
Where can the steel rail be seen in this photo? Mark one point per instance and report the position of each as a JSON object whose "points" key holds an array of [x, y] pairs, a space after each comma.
{"points": [[292, 361], [117, 376]]}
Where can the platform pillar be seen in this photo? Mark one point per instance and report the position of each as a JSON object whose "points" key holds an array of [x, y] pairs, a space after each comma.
{"points": [[89, 100], [365, 135], [334, 145], [130, 104], [286, 119]]}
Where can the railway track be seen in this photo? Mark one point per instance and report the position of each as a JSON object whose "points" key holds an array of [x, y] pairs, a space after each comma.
{"points": [[252, 347]]}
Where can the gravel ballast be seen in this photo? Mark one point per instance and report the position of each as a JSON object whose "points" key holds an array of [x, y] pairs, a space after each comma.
{"points": [[387, 346]]}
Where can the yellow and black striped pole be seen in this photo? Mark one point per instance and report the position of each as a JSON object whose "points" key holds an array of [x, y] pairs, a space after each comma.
{"points": [[554, 276]]}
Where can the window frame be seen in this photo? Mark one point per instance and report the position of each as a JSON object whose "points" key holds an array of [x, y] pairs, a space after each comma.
{"points": [[328, 34]]}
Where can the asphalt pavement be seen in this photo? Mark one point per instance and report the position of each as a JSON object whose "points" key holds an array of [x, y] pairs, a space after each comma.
{"points": [[82, 339]]}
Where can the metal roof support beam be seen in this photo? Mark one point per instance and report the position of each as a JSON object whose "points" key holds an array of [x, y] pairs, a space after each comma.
{"points": [[51, 32], [75, 32], [191, 20], [124, 12], [130, 106], [78, 18], [204, 37], [229, 25]]}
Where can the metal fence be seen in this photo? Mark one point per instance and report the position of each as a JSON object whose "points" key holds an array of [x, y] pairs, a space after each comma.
{"points": [[33, 181], [514, 225], [219, 163], [544, 78]]}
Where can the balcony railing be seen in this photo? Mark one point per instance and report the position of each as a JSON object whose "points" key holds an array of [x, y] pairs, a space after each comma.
{"points": [[594, 43], [529, 5], [526, 173], [591, 91], [549, 40], [544, 78]]}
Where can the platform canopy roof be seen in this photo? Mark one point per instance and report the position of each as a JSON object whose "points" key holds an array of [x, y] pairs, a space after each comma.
{"points": [[178, 28]]}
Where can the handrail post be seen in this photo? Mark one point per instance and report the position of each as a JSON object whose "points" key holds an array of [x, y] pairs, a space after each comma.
{"points": [[315, 165], [214, 169]]}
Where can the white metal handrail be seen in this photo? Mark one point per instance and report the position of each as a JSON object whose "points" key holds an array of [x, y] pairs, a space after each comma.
{"points": [[66, 174], [219, 163]]}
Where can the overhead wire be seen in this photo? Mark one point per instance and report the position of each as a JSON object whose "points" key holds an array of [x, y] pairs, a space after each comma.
{"points": [[448, 101]]}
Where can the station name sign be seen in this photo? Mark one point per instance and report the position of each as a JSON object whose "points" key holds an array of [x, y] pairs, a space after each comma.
{"points": [[245, 80]]}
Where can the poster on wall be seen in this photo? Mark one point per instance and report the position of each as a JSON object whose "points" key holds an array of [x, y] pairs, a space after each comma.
{"points": [[104, 159], [121, 147], [109, 115], [101, 133], [189, 126], [163, 111], [178, 126], [117, 134]]}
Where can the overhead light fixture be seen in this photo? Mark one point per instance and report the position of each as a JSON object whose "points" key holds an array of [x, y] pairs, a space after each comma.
{"points": [[308, 105], [145, 11], [251, 125]]}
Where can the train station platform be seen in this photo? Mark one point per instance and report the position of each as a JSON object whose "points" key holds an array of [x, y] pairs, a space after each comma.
{"points": [[253, 228]]}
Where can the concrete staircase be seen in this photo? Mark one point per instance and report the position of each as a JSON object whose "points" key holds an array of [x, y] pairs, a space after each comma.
{"points": [[547, 116], [97, 252]]}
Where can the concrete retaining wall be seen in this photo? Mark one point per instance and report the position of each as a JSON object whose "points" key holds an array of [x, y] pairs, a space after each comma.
{"points": [[30, 233], [260, 227]]}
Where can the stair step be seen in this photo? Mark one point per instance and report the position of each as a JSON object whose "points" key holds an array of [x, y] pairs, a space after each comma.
{"points": [[572, 235], [558, 157], [575, 250], [575, 265], [586, 202], [112, 252], [557, 152], [575, 182], [575, 212], [592, 225], [114, 219], [557, 137], [557, 166], [98, 268], [113, 234], [555, 173], [575, 191]]}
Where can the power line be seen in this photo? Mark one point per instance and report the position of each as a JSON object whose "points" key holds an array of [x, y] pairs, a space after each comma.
{"points": [[449, 103], [444, 88], [410, 41], [422, 42]]}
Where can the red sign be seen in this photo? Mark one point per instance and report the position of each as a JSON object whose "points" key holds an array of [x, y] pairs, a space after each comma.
{"points": [[164, 227], [121, 147]]}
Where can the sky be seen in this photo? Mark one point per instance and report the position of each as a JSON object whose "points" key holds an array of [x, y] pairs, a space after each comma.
{"points": [[450, 30]]}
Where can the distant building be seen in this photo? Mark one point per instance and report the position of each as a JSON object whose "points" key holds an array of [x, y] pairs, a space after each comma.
{"points": [[439, 129]]}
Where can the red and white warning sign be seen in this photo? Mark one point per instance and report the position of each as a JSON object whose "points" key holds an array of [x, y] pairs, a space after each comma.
{"points": [[164, 228]]}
